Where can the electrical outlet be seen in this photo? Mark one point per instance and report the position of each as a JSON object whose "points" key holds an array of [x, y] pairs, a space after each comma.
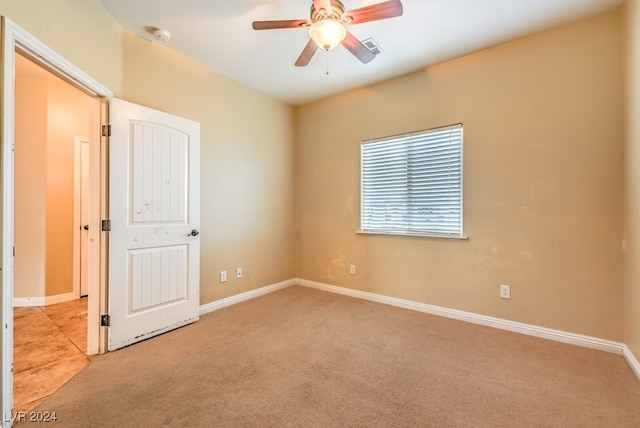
{"points": [[223, 276], [505, 292], [352, 269], [238, 273]]}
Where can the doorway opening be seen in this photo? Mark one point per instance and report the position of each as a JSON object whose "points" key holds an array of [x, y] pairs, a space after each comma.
{"points": [[52, 171], [16, 40], [165, 243]]}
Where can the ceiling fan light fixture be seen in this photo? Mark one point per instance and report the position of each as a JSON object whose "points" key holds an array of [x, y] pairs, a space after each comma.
{"points": [[327, 33]]}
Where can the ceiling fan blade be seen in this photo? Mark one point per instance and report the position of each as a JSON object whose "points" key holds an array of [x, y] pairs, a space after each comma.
{"points": [[322, 4], [274, 25], [384, 10], [358, 49], [307, 54]]}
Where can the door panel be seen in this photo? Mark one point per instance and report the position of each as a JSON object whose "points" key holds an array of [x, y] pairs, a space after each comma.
{"points": [[154, 204], [160, 174], [158, 277]]}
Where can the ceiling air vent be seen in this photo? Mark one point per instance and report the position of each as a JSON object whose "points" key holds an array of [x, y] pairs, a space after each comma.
{"points": [[373, 46]]}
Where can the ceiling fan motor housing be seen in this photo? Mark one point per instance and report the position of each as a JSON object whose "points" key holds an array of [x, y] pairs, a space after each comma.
{"points": [[337, 9]]}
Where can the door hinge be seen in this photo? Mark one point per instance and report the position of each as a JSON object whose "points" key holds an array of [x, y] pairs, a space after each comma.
{"points": [[105, 320], [106, 225], [106, 130]]}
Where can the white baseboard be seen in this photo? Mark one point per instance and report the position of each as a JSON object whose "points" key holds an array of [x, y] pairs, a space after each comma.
{"points": [[20, 302], [59, 298], [631, 360], [42, 301], [528, 329], [223, 303]]}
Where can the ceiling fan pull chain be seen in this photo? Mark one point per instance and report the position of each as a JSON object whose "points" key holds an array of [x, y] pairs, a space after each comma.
{"points": [[327, 71]]}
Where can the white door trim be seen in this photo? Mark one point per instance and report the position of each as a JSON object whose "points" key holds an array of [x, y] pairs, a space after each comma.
{"points": [[81, 187], [77, 220], [15, 39]]}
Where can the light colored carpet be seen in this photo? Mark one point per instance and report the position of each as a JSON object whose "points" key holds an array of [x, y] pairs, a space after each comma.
{"points": [[307, 358]]}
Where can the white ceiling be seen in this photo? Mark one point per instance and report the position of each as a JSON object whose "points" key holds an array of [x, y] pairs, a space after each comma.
{"points": [[218, 34]]}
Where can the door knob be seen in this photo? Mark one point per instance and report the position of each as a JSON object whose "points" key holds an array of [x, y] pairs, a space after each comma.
{"points": [[194, 232], [85, 227]]}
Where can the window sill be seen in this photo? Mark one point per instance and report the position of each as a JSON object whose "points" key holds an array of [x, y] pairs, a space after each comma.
{"points": [[412, 234]]}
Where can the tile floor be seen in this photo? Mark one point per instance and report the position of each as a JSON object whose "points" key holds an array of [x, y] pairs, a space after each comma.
{"points": [[50, 345]]}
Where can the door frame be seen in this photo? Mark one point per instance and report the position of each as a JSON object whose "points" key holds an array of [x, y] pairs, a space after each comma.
{"points": [[15, 39]]}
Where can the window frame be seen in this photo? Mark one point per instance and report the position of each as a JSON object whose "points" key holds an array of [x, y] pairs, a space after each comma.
{"points": [[408, 231]]}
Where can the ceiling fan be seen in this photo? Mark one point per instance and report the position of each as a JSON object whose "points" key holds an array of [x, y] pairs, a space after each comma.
{"points": [[327, 27]]}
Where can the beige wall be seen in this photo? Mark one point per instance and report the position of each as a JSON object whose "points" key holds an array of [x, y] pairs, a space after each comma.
{"points": [[81, 31], [246, 137], [543, 182], [68, 116], [632, 180], [30, 180], [247, 165]]}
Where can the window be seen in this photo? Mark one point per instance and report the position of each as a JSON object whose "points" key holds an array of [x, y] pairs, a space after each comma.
{"points": [[412, 183]]}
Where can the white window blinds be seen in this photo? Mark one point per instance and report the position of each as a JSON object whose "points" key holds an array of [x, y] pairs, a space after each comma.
{"points": [[412, 183]]}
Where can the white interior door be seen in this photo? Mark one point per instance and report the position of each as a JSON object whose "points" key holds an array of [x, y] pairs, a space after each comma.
{"points": [[154, 204]]}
